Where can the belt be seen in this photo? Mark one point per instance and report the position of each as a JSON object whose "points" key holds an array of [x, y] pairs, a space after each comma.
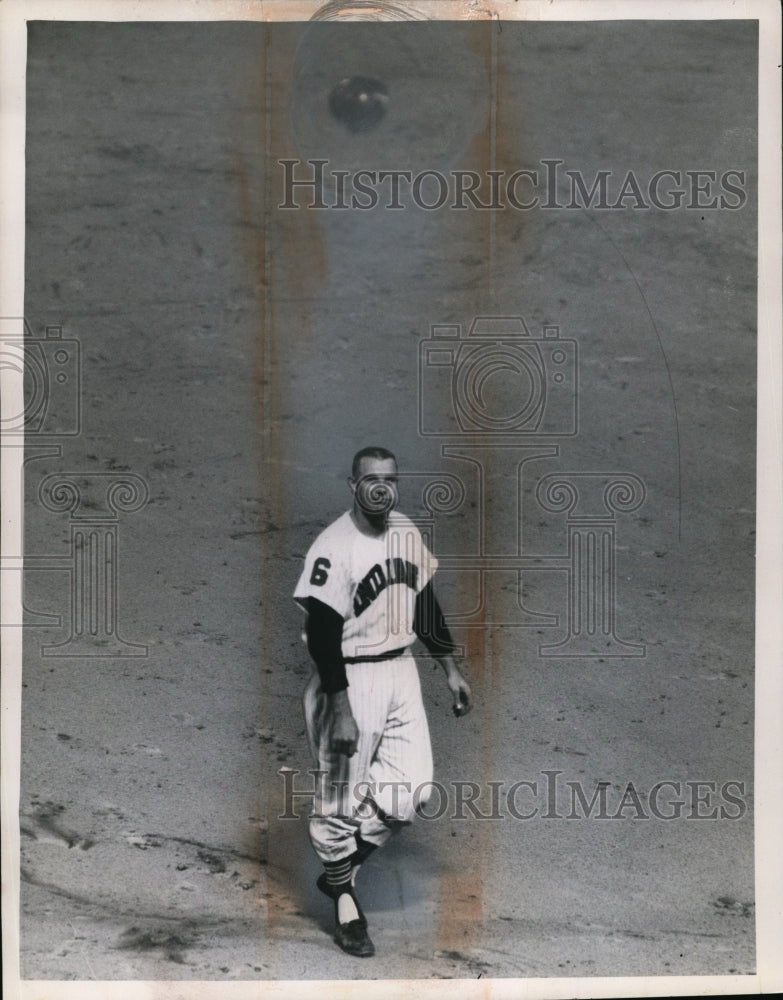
{"points": [[378, 656]]}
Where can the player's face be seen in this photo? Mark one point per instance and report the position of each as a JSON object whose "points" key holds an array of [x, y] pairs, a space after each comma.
{"points": [[375, 488]]}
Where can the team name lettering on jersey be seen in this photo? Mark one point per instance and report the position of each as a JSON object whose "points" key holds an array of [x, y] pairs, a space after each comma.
{"points": [[379, 578]]}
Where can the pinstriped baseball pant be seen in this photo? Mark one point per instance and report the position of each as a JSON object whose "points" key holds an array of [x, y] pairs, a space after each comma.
{"points": [[391, 771]]}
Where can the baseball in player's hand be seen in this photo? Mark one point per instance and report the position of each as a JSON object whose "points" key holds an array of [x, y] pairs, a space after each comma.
{"points": [[345, 732], [459, 687]]}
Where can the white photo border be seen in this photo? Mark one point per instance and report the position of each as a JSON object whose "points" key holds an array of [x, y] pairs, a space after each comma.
{"points": [[14, 15]]}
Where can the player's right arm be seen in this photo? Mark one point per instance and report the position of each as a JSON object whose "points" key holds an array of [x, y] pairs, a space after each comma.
{"points": [[345, 732], [324, 632], [323, 591]]}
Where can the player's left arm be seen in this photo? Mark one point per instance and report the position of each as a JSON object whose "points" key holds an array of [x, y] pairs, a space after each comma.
{"points": [[459, 687], [430, 626]]}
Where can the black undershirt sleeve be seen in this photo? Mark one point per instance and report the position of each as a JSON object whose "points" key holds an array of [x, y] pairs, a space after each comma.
{"points": [[324, 643], [430, 625]]}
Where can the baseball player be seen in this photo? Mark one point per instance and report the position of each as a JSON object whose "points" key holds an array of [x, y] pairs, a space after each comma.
{"points": [[367, 592]]}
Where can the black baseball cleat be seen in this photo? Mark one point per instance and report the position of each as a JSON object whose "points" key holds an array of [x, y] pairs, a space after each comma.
{"points": [[351, 936], [353, 939]]}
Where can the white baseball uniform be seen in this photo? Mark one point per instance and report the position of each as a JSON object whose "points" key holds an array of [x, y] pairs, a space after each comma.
{"points": [[372, 583]]}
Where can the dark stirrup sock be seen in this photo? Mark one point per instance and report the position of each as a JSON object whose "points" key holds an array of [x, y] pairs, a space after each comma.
{"points": [[338, 880], [338, 873]]}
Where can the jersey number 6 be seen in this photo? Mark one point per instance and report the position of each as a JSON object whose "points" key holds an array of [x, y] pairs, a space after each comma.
{"points": [[319, 574]]}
